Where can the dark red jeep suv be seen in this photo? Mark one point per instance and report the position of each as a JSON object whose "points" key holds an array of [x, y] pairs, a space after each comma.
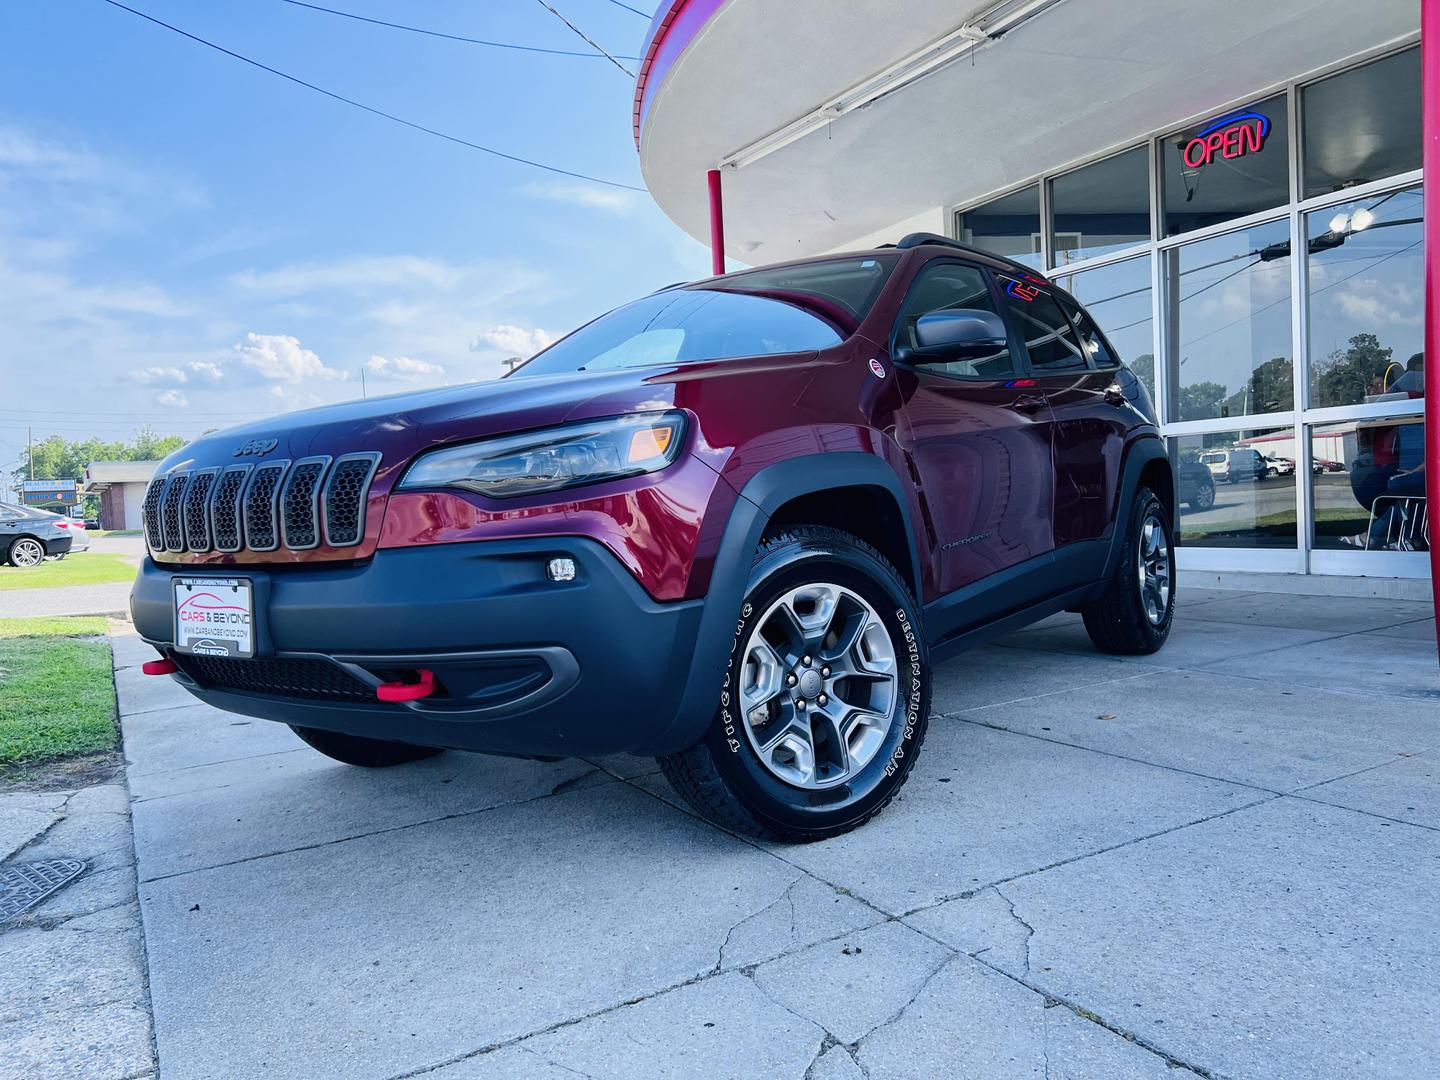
{"points": [[729, 525]]}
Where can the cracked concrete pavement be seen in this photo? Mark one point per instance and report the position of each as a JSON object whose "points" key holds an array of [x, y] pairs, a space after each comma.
{"points": [[1219, 861]]}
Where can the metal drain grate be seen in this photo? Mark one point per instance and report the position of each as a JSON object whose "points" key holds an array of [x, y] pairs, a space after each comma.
{"points": [[24, 886]]}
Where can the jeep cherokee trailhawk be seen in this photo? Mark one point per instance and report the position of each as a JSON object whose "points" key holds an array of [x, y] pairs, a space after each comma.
{"points": [[730, 525]]}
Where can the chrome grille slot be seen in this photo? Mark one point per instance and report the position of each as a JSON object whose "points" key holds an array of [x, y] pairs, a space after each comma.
{"points": [[150, 512], [261, 503], [197, 510], [225, 508], [345, 494], [170, 518], [299, 504]]}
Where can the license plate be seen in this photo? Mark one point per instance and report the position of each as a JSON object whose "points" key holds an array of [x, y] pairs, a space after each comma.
{"points": [[214, 616]]}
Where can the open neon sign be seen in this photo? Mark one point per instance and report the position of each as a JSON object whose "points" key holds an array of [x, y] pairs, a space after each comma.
{"points": [[1231, 136]]}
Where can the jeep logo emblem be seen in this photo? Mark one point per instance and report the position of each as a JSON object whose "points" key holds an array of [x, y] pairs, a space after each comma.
{"points": [[256, 447]]}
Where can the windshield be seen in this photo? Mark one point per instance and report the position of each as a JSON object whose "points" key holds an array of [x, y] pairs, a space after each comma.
{"points": [[795, 309]]}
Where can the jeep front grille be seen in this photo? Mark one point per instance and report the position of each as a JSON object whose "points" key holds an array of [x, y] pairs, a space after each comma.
{"points": [[261, 507]]}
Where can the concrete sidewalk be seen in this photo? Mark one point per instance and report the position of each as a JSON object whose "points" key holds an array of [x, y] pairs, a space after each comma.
{"points": [[1219, 861]]}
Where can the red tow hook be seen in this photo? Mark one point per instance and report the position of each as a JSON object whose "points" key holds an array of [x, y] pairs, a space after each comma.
{"points": [[163, 666], [405, 691]]}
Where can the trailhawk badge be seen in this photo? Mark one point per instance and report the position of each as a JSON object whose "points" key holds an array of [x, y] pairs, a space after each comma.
{"points": [[877, 369]]}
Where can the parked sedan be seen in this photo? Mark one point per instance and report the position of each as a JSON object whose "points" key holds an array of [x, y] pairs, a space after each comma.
{"points": [[29, 536]]}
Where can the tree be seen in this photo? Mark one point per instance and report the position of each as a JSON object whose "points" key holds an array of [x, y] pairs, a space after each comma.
{"points": [[59, 458], [1271, 388], [1201, 400], [1144, 368], [1348, 377]]}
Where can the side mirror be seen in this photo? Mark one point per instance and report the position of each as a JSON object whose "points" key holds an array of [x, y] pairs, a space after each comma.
{"points": [[955, 334]]}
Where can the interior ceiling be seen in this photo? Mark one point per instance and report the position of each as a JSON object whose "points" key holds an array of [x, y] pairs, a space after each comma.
{"points": [[1082, 77]]}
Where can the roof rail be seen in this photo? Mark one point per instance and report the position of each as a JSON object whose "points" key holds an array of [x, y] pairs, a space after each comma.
{"points": [[915, 239]]}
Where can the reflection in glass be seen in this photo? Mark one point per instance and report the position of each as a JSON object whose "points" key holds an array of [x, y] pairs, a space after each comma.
{"points": [[1227, 166], [1367, 301], [1118, 298], [1368, 480], [1229, 349], [1009, 225], [1363, 124], [1102, 207], [1236, 488]]}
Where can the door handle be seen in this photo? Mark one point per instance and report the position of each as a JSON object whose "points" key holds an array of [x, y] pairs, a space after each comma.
{"points": [[1114, 395], [1030, 402]]}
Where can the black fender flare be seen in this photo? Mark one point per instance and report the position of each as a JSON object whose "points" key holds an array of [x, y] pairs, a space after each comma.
{"points": [[762, 495], [1138, 454]]}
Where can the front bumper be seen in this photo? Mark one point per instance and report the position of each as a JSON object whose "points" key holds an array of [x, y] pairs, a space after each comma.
{"points": [[526, 666]]}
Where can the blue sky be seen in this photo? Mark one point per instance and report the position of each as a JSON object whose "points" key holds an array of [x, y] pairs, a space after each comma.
{"points": [[190, 242]]}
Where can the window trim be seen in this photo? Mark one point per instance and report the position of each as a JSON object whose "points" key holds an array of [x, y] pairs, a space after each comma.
{"points": [[1030, 368]]}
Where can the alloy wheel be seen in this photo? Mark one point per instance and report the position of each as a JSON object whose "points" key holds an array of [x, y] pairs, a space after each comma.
{"points": [[27, 552], [818, 685], [1154, 569]]}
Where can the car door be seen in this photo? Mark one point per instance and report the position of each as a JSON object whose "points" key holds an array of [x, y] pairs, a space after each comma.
{"points": [[977, 436], [1090, 412]]}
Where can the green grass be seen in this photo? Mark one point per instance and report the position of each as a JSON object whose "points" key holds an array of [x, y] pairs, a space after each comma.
{"points": [[85, 568], [114, 532], [57, 698]]}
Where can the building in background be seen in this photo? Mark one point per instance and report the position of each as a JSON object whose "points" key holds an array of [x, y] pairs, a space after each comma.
{"points": [[1233, 189], [120, 486]]}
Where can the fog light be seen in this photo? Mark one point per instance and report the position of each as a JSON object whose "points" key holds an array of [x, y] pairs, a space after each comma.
{"points": [[560, 570]]}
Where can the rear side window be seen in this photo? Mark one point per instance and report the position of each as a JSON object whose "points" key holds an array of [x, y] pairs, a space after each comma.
{"points": [[946, 286], [1090, 339], [1049, 338]]}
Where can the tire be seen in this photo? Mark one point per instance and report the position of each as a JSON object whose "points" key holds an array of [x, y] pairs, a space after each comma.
{"points": [[1204, 497], [366, 753], [25, 553], [1271, 474], [868, 682], [1134, 616]]}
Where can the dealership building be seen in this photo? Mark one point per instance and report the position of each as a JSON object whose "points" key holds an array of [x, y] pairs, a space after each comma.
{"points": [[1233, 189]]}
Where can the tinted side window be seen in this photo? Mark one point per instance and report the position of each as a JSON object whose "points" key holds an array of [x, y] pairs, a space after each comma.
{"points": [[945, 286], [1090, 339], [1049, 338]]}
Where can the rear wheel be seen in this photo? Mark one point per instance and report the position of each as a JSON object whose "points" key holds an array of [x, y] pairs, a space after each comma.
{"points": [[26, 552], [1135, 614], [366, 753], [823, 706], [1204, 498]]}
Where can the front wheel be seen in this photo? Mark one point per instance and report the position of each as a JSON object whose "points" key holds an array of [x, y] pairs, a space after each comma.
{"points": [[823, 707], [366, 753], [1134, 615]]}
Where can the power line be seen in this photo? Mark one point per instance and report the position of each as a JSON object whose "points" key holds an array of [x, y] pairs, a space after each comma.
{"points": [[584, 37], [637, 11], [371, 109], [450, 37]]}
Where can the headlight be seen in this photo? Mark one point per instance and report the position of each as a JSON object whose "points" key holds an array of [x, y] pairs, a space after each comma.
{"points": [[567, 456]]}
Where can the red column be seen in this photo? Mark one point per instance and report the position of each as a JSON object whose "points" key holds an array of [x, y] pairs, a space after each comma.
{"points": [[717, 217], [1430, 89]]}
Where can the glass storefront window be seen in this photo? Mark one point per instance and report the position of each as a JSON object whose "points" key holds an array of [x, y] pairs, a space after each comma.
{"points": [[1236, 488], [1362, 125], [1230, 347], [1367, 301], [1009, 225], [1368, 482], [1118, 298], [1228, 166], [1101, 208]]}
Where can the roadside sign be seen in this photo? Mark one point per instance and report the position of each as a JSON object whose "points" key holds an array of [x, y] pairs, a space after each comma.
{"points": [[50, 492]]}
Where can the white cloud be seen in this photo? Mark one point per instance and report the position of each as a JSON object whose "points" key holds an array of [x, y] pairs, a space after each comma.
{"points": [[158, 376], [19, 150], [281, 358], [589, 196], [204, 369], [384, 271], [174, 399], [511, 340], [403, 367]]}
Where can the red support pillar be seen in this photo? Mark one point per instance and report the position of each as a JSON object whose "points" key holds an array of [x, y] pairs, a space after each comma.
{"points": [[717, 218], [1430, 90]]}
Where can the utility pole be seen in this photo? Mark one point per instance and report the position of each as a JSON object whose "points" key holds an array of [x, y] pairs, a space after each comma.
{"points": [[363, 393], [30, 448]]}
